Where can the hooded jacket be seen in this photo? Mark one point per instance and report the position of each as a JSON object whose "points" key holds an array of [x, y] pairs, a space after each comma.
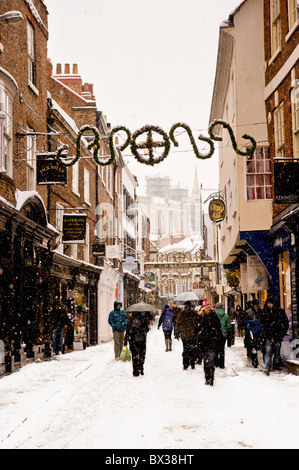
{"points": [[275, 323], [117, 319], [224, 320]]}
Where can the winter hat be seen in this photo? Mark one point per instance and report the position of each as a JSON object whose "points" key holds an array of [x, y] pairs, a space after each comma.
{"points": [[270, 300], [219, 305], [205, 303]]}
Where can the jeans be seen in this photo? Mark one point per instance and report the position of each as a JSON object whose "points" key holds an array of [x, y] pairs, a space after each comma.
{"points": [[57, 339], [272, 350]]}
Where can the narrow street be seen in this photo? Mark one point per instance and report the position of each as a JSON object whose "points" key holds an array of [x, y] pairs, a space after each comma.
{"points": [[87, 400]]}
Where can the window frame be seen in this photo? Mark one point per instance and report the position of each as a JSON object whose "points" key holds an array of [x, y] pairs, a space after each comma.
{"points": [[279, 131], [295, 118], [275, 19], [293, 14], [31, 49], [256, 175]]}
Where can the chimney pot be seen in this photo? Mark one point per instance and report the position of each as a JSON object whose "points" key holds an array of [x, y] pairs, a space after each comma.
{"points": [[58, 69], [67, 68], [75, 69]]}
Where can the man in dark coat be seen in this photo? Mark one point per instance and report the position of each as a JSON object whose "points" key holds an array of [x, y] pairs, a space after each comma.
{"points": [[252, 340], [210, 339], [276, 324], [136, 333], [185, 328], [59, 320]]}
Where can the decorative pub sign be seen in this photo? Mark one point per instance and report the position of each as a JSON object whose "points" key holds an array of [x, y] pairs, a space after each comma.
{"points": [[49, 170], [217, 210], [286, 180], [74, 228]]}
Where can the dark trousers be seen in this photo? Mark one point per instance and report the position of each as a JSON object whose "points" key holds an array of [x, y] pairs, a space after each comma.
{"points": [[189, 353], [220, 358], [138, 350], [209, 358]]}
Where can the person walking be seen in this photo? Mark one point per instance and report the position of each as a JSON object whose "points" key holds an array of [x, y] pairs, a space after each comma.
{"points": [[276, 324], [167, 321], [59, 320], [136, 334], [118, 321], [240, 318], [225, 328], [253, 339], [185, 328], [210, 339]]}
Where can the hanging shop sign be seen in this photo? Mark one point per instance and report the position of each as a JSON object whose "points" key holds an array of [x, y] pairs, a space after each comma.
{"points": [[155, 146], [99, 249], [50, 171], [74, 228], [129, 263], [257, 275], [286, 177], [112, 251], [217, 210]]}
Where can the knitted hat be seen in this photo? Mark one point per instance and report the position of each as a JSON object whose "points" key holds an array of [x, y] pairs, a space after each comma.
{"points": [[219, 305], [205, 303]]}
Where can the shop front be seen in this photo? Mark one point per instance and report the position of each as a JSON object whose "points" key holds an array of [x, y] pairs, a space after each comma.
{"points": [[75, 285]]}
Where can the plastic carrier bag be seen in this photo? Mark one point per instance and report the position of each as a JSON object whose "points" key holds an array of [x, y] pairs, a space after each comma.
{"points": [[125, 355]]}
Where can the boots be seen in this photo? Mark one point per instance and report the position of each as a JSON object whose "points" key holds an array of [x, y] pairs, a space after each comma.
{"points": [[209, 374], [166, 342], [170, 345]]}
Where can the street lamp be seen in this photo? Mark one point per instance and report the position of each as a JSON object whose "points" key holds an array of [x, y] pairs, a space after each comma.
{"points": [[11, 17]]}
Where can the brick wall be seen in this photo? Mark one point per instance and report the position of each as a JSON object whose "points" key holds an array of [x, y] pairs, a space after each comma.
{"points": [[31, 109], [283, 92]]}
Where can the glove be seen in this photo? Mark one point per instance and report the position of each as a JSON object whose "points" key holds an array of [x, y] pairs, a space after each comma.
{"points": [[177, 336]]}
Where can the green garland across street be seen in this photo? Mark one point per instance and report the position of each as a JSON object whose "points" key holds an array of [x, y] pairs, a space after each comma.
{"points": [[150, 144]]}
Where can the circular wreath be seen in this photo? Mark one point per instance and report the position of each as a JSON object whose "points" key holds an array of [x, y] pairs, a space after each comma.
{"points": [[150, 144]]}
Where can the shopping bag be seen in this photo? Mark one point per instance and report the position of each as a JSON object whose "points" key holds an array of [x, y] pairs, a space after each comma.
{"points": [[125, 355]]}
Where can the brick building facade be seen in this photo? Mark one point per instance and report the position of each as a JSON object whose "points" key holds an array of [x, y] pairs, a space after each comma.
{"points": [[281, 44], [41, 111]]}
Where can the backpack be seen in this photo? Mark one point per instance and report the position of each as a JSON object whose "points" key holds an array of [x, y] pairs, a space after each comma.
{"points": [[168, 323], [255, 327]]}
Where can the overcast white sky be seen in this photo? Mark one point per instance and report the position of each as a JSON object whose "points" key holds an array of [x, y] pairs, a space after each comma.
{"points": [[151, 62]]}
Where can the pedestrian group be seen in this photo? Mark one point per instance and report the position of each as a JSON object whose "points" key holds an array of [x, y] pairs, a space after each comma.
{"points": [[204, 332]]}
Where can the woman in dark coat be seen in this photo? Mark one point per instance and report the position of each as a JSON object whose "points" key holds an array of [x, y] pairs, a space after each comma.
{"points": [[136, 332], [210, 339], [186, 329]]}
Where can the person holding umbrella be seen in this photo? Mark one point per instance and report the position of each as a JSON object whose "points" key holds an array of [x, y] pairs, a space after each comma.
{"points": [[139, 318]]}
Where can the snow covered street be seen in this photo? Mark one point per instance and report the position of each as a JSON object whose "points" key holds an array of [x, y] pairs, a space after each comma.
{"points": [[88, 400]]}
